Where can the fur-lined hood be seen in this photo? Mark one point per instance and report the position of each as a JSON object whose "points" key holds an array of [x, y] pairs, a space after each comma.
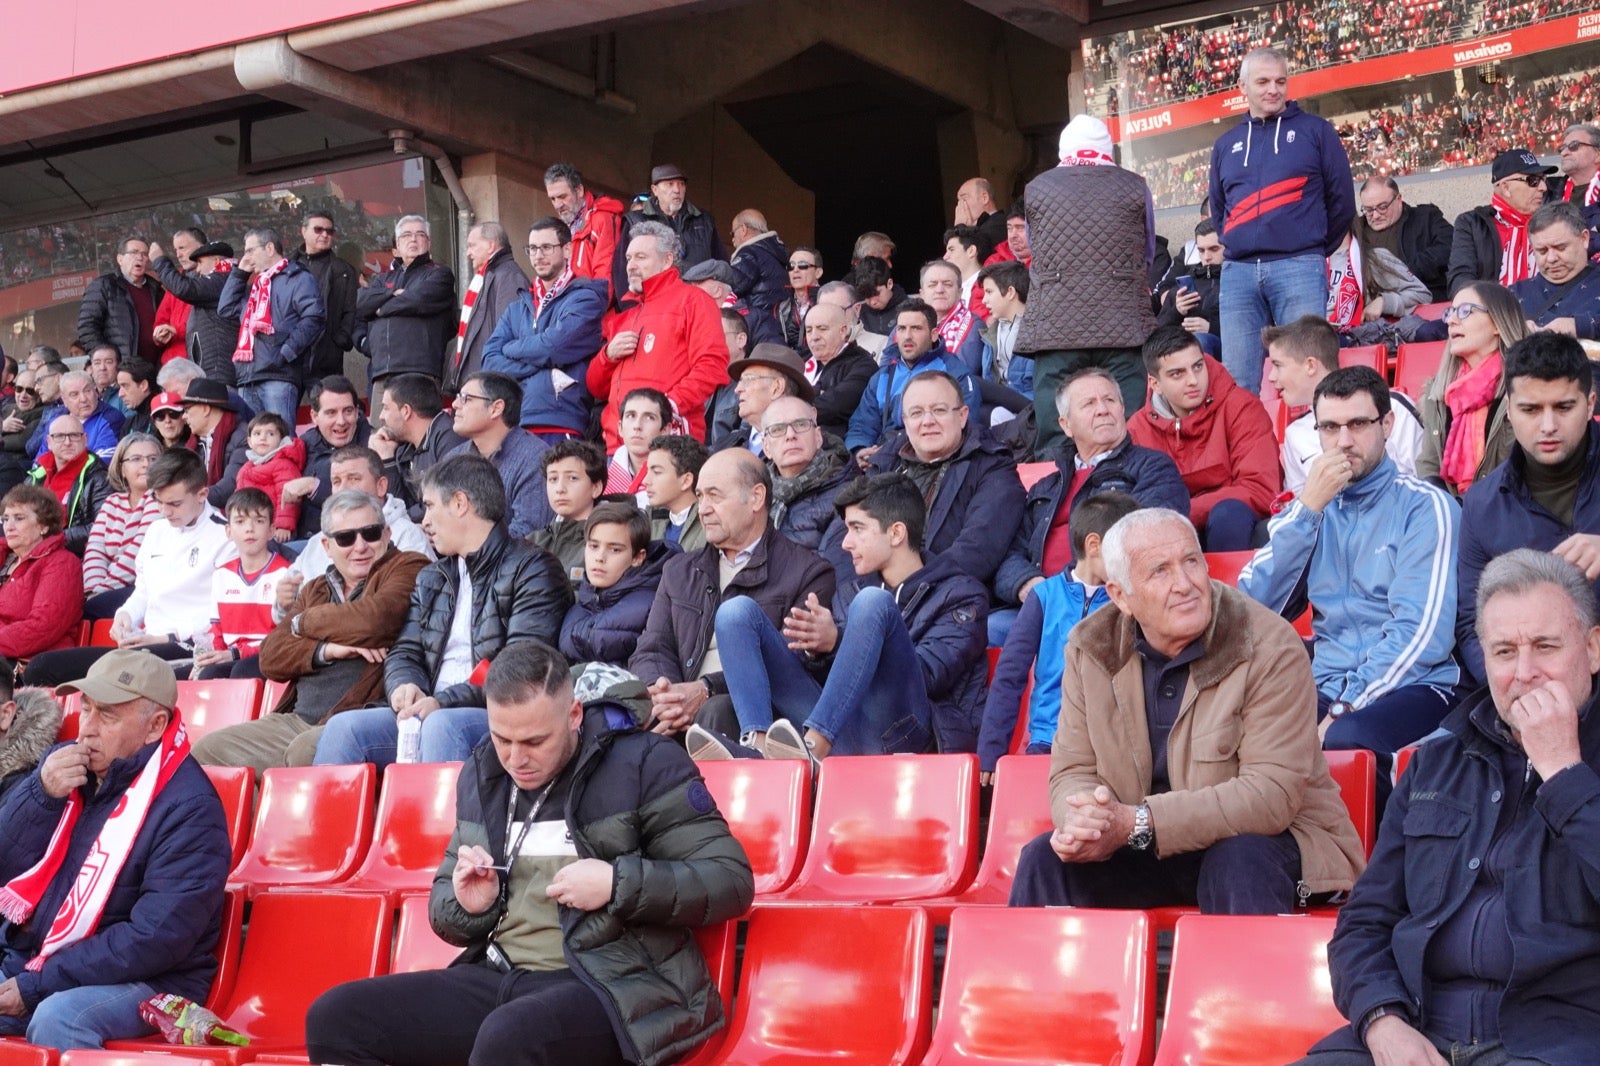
{"points": [[32, 731]]}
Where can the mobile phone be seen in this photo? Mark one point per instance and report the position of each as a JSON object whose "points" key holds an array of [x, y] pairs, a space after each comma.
{"points": [[1186, 281]]}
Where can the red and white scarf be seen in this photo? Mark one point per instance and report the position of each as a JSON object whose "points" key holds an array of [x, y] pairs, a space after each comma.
{"points": [[257, 317], [1516, 255], [1346, 292], [81, 909], [466, 309], [1087, 156], [955, 327], [543, 293], [1468, 398], [1590, 196]]}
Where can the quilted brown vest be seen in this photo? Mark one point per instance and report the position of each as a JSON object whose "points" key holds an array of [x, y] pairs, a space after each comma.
{"points": [[1087, 283]]}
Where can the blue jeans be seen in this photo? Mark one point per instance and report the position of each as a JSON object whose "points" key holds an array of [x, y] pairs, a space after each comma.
{"points": [[1001, 620], [1230, 527], [84, 1017], [371, 735], [282, 398], [1256, 295], [874, 701]]}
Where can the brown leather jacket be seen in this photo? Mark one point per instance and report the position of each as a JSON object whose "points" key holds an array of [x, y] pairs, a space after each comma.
{"points": [[371, 620]]}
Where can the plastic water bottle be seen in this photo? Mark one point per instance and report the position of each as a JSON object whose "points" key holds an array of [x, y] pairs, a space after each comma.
{"points": [[410, 745]]}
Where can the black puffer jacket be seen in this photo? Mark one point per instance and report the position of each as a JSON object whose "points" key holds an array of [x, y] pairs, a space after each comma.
{"points": [[405, 318], [107, 315], [336, 280], [604, 625], [212, 338], [518, 593], [762, 266], [637, 803]]}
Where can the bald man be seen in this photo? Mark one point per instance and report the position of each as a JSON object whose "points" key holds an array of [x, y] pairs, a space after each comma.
{"points": [[839, 367], [760, 262], [975, 207], [495, 283]]}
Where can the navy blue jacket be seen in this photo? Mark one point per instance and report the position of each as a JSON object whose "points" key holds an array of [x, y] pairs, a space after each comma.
{"points": [[762, 267], [1499, 514], [1281, 187], [565, 338], [1147, 475], [947, 615], [1444, 820], [604, 624], [298, 318], [1578, 299], [164, 915], [975, 509], [408, 332]]}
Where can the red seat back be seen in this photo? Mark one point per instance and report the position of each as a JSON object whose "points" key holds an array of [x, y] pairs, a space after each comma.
{"points": [[1042, 985], [1226, 566], [102, 1057], [833, 984], [100, 633], [236, 788], [719, 944], [213, 705], [312, 826], [1356, 774], [1033, 473], [1375, 356], [1402, 759], [1432, 312], [1415, 363], [1247, 991], [229, 946], [15, 1051], [271, 693], [416, 814], [416, 945], [768, 808], [299, 945], [1018, 812], [892, 827]]}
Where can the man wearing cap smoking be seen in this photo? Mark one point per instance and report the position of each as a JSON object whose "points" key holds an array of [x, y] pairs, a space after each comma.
{"points": [[669, 204], [768, 372], [1490, 242], [114, 856]]}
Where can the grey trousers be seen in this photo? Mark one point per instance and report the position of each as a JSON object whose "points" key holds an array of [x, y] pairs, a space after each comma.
{"points": [[268, 742], [1491, 1054]]}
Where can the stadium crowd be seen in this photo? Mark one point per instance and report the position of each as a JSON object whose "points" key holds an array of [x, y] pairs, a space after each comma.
{"points": [[641, 490]]}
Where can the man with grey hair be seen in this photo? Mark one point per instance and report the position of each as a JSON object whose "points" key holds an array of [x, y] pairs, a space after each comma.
{"points": [[1283, 201], [114, 856], [669, 206], [1418, 234], [1577, 184], [1563, 296], [667, 336], [1185, 768], [330, 643], [176, 375], [844, 295], [407, 316], [281, 316], [496, 281], [486, 592], [1472, 937], [102, 423], [595, 222]]}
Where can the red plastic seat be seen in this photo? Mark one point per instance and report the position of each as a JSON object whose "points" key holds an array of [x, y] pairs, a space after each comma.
{"points": [[1226, 568], [1033, 473], [1415, 363], [312, 826], [1018, 812], [236, 788], [300, 944], [719, 944], [1247, 991], [768, 808], [833, 984], [416, 814], [1356, 774], [101, 1057], [15, 1051], [1037, 985], [1375, 356], [1402, 759], [212, 705], [271, 693], [1432, 312], [416, 945], [889, 828], [100, 633], [229, 946]]}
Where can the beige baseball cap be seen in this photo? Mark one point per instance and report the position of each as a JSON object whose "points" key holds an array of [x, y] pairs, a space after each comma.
{"points": [[127, 674]]}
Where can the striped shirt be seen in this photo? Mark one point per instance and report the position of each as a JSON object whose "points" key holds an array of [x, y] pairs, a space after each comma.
{"points": [[244, 603], [114, 541]]}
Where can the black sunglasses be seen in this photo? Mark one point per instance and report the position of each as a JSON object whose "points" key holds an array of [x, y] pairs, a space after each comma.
{"points": [[167, 414], [346, 537], [27, 391]]}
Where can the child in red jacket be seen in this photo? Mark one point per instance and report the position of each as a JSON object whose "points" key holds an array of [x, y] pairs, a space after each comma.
{"points": [[275, 457]]}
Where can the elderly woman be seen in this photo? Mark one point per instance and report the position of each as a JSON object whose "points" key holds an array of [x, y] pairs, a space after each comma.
{"points": [[119, 527], [41, 581], [18, 419], [1466, 432], [166, 419], [29, 722]]}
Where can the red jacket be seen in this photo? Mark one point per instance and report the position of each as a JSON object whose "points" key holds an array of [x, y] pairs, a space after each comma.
{"points": [[1225, 450], [42, 604], [594, 244], [681, 351], [286, 464], [175, 313]]}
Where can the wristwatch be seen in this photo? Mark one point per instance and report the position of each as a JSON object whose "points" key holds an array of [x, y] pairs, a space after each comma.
{"points": [[1339, 708], [1142, 835]]}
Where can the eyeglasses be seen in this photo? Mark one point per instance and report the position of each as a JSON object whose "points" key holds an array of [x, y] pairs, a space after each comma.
{"points": [[1573, 146], [541, 249], [464, 397], [1532, 181], [781, 429], [938, 411], [66, 436], [1378, 209], [166, 415], [411, 235], [325, 231], [344, 538], [802, 266], [1355, 425], [1462, 311], [141, 460], [751, 379]]}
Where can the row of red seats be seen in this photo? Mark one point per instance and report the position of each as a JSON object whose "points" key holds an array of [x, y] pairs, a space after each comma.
{"points": [[848, 984], [206, 705], [884, 829]]}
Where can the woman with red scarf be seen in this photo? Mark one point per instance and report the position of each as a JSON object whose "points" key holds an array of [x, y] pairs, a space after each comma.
{"points": [[1465, 430], [41, 582]]}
